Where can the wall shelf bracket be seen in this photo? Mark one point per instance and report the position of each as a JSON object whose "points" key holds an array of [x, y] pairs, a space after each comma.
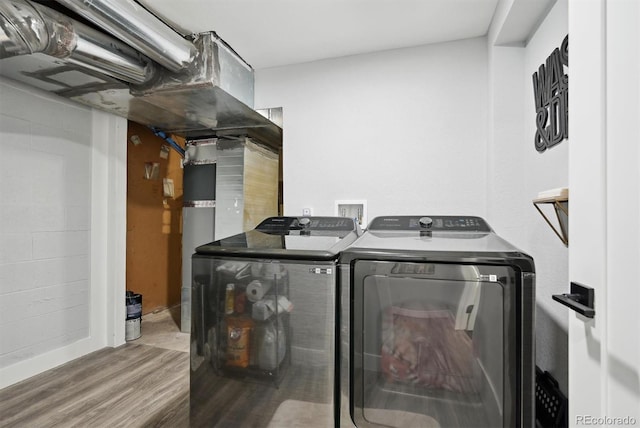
{"points": [[559, 199]]}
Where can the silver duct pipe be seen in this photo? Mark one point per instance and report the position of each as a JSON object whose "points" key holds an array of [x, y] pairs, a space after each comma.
{"points": [[212, 95], [134, 25], [104, 54], [27, 28], [22, 29]]}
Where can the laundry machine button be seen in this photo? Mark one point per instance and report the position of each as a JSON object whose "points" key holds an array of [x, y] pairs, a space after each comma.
{"points": [[426, 222]]}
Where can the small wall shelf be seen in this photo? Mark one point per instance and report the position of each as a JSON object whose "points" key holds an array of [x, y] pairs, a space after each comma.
{"points": [[559, 200]]}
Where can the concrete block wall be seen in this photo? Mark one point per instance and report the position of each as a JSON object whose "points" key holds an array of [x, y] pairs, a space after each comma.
{"points": [[45, 218]]}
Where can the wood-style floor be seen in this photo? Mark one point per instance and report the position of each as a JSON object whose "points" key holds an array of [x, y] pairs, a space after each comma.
{"points": [[135, 385]]}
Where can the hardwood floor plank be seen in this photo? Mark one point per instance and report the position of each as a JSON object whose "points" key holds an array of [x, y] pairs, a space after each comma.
{"points": [[133, 385]]}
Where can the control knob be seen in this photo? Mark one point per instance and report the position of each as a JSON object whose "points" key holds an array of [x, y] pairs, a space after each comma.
{"points": [[426, 222], [304, 222]]}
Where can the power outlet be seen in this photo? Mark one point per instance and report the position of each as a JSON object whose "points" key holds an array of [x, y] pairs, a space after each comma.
{"points": [[306, 212]]}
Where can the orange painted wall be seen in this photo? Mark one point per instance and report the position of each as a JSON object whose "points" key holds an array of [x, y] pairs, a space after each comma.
{"points": [[154, 221]]}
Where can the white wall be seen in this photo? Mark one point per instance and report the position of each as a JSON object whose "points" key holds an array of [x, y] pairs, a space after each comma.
{"points": [[45, 213], [407, 130], [403, 129], [518, 172], [53, 304], [547, 170]]}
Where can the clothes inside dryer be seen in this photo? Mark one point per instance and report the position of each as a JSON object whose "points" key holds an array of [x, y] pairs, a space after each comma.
{"points": [[426, 337], [425, 327]]}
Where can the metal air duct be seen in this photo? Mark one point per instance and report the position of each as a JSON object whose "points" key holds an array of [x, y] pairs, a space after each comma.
{"points": [[211, 94], [133, 24], [29, 28]]}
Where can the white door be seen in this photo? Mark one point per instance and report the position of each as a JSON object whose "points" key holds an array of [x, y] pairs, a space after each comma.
{"points": [[604, 181]]}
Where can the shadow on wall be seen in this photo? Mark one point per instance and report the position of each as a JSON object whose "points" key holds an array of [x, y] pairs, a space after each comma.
{"points": [[552, 343], [626, 375], [552, 348]]}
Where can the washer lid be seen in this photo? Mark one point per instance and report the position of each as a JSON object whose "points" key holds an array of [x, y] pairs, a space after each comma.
{"points": [[308, 238], [432, 237]]}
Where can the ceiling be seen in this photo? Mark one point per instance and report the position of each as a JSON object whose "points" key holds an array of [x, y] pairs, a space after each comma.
{"points": [[272, 33]]}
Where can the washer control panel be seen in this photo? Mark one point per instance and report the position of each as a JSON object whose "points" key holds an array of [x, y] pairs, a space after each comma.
{"points": [[306, 223], [431, 223]]}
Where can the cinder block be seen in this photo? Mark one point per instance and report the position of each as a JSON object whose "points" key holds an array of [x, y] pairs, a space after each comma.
{"points": [[47, 245], [60, 270], [15, 248], [78, 217], [17, 277], [47, 218], [15, 132]]}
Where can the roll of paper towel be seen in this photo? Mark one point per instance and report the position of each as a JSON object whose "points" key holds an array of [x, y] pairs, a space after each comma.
{"points": [[256, 290]]}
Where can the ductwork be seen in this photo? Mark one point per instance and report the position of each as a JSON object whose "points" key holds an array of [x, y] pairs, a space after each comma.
{"points": [[134, 25], [30, 28], [209, 92]]}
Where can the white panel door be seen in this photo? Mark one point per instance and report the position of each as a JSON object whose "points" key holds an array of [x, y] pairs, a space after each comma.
{"points": [[604, 179]]}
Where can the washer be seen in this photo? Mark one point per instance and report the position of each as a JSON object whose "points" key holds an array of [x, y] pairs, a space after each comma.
{"points": [[437, 326], [264, 331]]}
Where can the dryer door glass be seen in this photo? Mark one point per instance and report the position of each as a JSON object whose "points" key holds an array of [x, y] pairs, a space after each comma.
{"points": [[432, 345]]}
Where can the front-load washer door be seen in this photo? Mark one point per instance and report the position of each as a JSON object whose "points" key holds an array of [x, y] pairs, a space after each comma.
{"points": [[262, 343], [433, 344]]}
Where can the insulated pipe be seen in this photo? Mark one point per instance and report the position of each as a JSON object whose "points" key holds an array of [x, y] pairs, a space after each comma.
{"points": [[169, 140], [28, 28], [134, 25], [97, 51], [22, 30]]}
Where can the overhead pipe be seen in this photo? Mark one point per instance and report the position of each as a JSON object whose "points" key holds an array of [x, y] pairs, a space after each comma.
{"points": [[134, 25], [28, 28], [174, 145], [22, 29], [97, 51]]}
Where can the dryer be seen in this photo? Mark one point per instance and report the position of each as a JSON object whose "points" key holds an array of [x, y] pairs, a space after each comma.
{"points": [[437, 326], [264, 332]]}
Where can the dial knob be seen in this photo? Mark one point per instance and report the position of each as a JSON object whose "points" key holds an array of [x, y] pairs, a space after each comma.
{"points": [[426, 222], [304, 222]]}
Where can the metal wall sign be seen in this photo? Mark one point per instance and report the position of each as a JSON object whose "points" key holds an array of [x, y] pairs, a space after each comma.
{"points": [[551, 95]]}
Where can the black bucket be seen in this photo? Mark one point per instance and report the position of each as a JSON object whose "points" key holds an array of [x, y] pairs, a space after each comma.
{"points": [[134, 316]]}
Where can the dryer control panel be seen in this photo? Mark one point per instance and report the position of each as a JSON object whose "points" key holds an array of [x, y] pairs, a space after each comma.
{"points": [[434, 223]]}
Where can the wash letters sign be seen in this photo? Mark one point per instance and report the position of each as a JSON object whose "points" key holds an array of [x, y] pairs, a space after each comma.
{"points": [[551, 95]]}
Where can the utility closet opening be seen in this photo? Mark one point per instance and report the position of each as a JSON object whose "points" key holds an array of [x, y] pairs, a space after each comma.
{"points": [[154, 219]]}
